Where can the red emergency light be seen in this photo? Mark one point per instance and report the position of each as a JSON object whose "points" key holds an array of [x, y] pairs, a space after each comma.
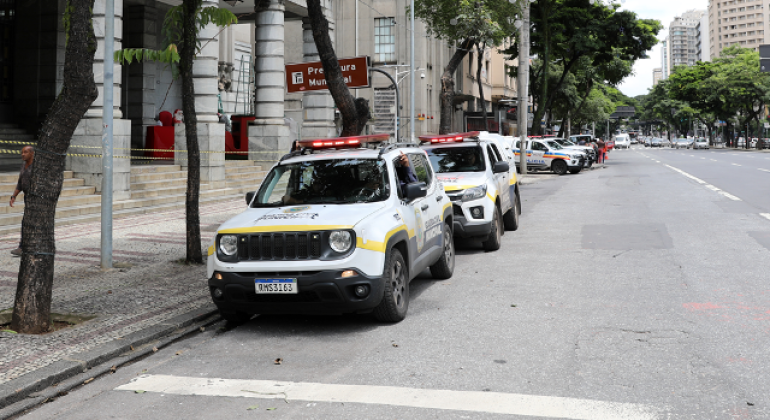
{"points": [[448, 138], [340, 142]]}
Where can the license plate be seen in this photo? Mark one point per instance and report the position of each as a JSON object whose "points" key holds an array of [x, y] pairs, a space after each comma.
{"points": [[275, 286]]}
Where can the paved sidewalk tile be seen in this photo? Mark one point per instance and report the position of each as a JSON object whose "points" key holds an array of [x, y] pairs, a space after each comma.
{"points": [[154, 288]]}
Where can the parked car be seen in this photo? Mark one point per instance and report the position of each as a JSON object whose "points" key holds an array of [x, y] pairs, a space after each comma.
{"points": [[700, 143], [480, 180], [549, 155], [588, 150], [334, 228], [656, 143]]}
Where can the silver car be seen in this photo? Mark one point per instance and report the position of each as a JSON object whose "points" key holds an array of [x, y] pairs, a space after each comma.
{"points": [[700, 143]]}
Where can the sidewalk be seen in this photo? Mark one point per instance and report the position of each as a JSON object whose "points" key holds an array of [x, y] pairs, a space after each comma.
{"points": [[149, 297]]}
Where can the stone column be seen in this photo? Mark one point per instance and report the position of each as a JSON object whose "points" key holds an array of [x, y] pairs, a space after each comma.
{"points": [[89, 130], [211, 133], [141, 21], [268, 136], [318, 104]]}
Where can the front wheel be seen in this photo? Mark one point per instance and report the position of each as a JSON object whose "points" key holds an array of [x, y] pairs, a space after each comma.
{"points": [[575, 170], [494, 240], [445, 266], [511, 217], [559, 167], [395, 298]]}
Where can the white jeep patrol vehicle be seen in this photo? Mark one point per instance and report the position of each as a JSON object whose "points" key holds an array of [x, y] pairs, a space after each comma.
{"points": [[478, 177], [548, 155], [334, 228]]}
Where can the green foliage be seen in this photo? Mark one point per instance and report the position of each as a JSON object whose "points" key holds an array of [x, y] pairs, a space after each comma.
{"points": [[172, 32], [454, 20]]}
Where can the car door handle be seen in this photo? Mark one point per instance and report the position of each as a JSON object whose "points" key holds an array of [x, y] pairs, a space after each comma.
{"points": [[424, 207], [439, 198]]}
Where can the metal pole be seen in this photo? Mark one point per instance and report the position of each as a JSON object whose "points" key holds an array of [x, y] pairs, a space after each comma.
{"points": [[411, 74], [523, 80], [395, 117], [107, 110]]}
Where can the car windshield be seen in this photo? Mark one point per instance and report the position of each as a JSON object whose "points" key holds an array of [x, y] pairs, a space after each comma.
{"points": [[456, 159], [567, 143], [553, 144], [333, 181]]}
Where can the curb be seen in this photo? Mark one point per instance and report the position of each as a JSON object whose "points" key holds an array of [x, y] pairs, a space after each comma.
{"points": [[32, 389]]}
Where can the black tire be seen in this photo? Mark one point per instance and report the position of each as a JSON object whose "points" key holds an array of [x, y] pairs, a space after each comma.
{"points": [[575, 170], [395, 298], [235, 318], [445, 266], [511, 217], [559, 167], [493, 241]]}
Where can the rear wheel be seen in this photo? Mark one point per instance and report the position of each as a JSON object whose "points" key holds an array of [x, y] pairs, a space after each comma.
{"points": [[559, 167], [395, 299], [494, 240], [445, 266], [511, 217]]}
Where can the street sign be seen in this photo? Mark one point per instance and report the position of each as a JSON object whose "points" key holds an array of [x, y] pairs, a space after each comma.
{"points": [[303, 77]]}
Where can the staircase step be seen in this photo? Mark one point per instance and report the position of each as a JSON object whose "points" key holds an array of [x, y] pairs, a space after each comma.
{"points": [[13, 177], [157, 176], [145, 169], [225, 194], [68, 182], [5, 195], [242, 169], [149, 185], [235, 163], [64, 202]]}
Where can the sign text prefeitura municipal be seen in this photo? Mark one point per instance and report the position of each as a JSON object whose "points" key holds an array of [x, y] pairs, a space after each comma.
{"points": [[303, 77]]}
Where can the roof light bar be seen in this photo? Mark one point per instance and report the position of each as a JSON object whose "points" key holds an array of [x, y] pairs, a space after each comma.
{"points": [[340, 142], [448, 138]]}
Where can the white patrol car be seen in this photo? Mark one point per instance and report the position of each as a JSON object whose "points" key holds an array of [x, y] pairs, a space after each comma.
{"points": [[549, 155], [478, 178], [339, 230]]}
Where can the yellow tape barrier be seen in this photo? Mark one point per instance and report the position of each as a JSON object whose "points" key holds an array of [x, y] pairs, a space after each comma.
{"points": [[133, 150]]}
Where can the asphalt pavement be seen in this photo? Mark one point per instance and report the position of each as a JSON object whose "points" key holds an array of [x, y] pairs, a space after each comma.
{"points": [[638, 291]]}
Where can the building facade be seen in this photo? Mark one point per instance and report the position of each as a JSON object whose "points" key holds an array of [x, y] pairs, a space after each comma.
{"points": [[657, 75], [683, 39], [737, 22], [703, 44], [665, 53]]}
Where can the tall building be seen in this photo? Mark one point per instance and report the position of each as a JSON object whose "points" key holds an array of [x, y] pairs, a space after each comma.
{"points": [[665, 53], [736, 22], [703, 40], [683, 37], [657, 75]]}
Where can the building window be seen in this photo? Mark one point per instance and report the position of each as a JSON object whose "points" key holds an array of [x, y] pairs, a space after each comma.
{"points": [[384, 40]]}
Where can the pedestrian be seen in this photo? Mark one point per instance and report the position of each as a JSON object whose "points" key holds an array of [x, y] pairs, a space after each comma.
{"points": [[600, 144], [25, 176]]}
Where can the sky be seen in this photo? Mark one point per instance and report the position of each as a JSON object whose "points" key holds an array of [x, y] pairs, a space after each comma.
{"points": [[664, 11]]}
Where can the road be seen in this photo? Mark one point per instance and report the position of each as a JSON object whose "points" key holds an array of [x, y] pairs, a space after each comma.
{"points": [[638, 291]]}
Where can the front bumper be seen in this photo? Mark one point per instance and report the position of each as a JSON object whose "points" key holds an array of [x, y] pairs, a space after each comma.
{"points": [[320, 292], [465, 226]]}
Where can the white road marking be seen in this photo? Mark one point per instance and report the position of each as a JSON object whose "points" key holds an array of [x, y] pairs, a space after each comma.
{"points": [[705, 184], [474, 401], [737, 164], [764, 170], [713, 160], [765, 215], [703, 158]]}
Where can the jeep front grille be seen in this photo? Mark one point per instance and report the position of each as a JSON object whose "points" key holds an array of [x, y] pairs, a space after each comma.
{"points": [[280, 246]]}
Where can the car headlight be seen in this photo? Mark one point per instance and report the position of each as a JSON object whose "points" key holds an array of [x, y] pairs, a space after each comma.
{"points": [[474, 193], [340, 241], [228, 244]]}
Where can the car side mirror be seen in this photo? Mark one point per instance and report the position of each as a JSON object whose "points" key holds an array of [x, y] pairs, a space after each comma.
{"points": [[415, 190], [249, 197], [500, 166]]}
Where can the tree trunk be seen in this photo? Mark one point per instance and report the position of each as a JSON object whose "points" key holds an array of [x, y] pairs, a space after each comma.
{"points": [[186, 56], [448, 86], [480, 61], [354, 111], [32, 306], [563, 126]]}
